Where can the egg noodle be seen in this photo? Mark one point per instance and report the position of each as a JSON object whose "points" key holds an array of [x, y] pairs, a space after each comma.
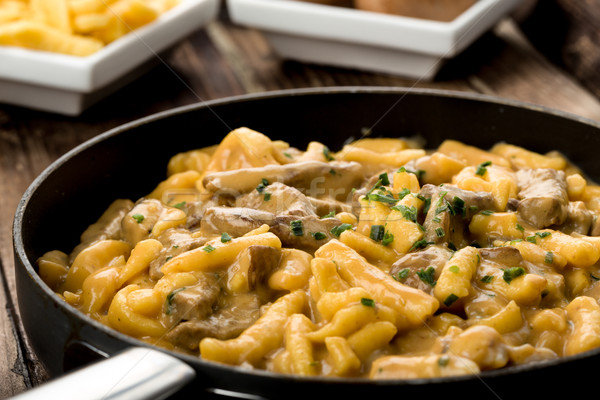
{"points": [[74, 27], [381, 260]]}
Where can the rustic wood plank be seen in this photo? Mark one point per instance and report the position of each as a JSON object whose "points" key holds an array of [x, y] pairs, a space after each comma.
{"points": [[567, 31], [519, 72], [14, 375]]}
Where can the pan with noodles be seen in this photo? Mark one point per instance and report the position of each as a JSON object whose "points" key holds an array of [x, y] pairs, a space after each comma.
{"points": [[297, 259]]}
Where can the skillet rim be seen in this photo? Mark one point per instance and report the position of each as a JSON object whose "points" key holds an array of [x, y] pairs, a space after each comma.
{"points": [[22, 260]]}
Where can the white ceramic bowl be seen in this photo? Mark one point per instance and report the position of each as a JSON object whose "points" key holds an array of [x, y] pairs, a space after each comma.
{"points": [[68, 85], [346, 37]]}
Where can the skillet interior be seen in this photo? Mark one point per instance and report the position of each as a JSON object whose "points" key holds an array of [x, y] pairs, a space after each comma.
{"points": [[129, 161]]}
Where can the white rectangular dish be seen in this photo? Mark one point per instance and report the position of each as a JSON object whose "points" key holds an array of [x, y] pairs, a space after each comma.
{"points": [[352, 38], [68, 84]]}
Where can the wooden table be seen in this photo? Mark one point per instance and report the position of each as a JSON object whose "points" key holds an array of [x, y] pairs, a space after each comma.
{"points": [[224, 60]]}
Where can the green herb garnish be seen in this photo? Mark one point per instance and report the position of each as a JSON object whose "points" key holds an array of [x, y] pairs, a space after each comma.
{"points": [[139, 218], [377, 232], [427, 276], [549, 258], [448, 301], [329, 215], [385, 179], [180, 205], [403, 193], [225, 237], [297, 228], [367, 302], [420, 244], [440, 232], [337, 230], [402, 274], [169, 300], [318, 235], [512, 273], [387, 238], [382, 198], [520, 228], [481, 168], [531, 239], [327, 154], [262, 185], [409, 213], [487, 279], [208, 248]]}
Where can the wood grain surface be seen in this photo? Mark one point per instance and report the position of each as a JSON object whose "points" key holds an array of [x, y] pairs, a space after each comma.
{"points": [[224, 60]]}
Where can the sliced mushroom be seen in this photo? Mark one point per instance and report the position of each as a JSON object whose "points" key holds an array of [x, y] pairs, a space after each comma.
{"points": [[305, 232], [406, 268], [314, 178], [543, 194], [450, 201], [233, 318], [252, 268]]}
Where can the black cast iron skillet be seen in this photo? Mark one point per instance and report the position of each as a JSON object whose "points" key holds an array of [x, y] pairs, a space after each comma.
{"points": [[127, 162]]}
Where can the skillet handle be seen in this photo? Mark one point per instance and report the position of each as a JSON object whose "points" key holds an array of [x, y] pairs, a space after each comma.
{"points": [[136, 373]]}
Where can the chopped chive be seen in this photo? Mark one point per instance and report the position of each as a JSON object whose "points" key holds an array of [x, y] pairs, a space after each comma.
{"points": [[487, 279], [512, 273], [520, 228], [180, 205], [542, 235], [385, 179], [297, 228], [382, 198], [594, 277], [473, 209], [288, 155], [409, 213], [208, 248], [440, 210], [402, 274], [481, 168], [487, 212], [168, 258], [387, 238], [139, 218], [427, 276], [267, 196], [454, 269], [327, 154], [451, 246], [329, 215], [531, 239], [367, 302], [448, 301], [443, 361], [225, 237], [403, 193], [169, 300], [549, 258], [459, 206], [440, 232], [337, 230], [377, 232], [262, 185], [419, 173], [318, 235], [420, 244], [437, 220]]}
